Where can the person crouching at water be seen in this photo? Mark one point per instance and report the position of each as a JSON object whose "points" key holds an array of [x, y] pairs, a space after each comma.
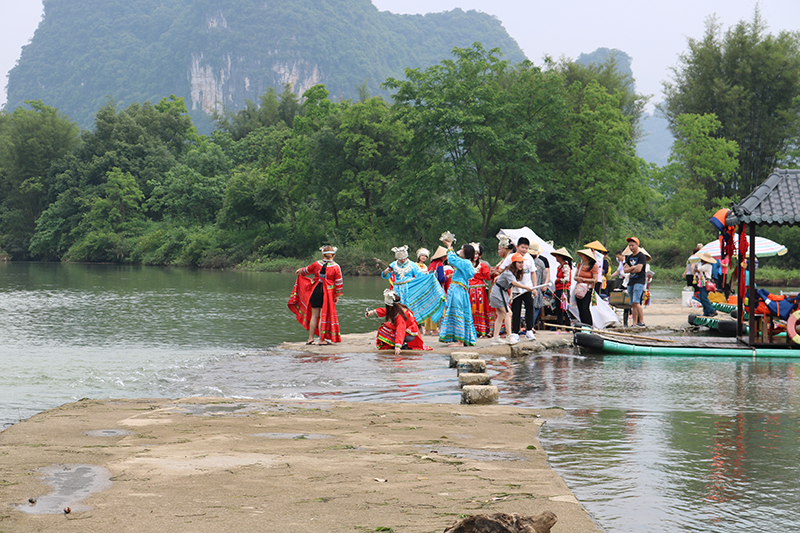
{"points": [[500, 299], [315, 295], [400, 329]]}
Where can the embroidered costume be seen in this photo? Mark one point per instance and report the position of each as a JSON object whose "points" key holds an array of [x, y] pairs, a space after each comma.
{"points": [[403, 331], [457, 322], [327, 275], [479, 299], [418, 291], [401, 275]]}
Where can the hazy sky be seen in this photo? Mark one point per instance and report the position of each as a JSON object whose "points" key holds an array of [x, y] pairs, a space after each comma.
{"points": [[652, 33]]}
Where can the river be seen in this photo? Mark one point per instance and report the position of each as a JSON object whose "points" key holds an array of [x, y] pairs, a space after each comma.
{"points": [[647, 444]]}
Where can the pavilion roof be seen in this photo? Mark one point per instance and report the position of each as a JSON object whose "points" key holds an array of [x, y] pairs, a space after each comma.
{"points": [[776, 201]]}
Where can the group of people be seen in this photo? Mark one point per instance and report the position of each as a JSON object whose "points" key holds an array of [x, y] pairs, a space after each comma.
{"points": [[461, 297]]}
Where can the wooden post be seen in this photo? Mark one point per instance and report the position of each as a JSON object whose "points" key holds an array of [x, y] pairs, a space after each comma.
{"points": [[751, 289], [739, 291]]}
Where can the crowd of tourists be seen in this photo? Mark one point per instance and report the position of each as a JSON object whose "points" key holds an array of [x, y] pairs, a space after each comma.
{"points": [[455, 295]]}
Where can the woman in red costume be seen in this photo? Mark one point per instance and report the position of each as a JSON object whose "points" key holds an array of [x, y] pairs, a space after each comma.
{"points": [[314, 297], [400, 329], [479, 294]]}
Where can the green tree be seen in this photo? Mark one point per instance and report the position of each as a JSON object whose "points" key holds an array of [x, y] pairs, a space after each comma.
{"points": [[750, 80], [708, 160], [250, 199], [599, 164], [611, 69], [485, 118], [271, 111], [354, 157], [699, 161], [192, 191], [113, 217], [31, 140]]}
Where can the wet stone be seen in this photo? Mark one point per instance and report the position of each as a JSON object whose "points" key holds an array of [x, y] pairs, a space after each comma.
{"points": [[455, 357], [71, 485], [470, 453], [471, 366], [296, 436], [109, 433], [466, 378]]}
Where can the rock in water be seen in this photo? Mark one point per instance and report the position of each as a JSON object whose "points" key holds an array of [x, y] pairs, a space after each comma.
{"points": [[505, 523]]}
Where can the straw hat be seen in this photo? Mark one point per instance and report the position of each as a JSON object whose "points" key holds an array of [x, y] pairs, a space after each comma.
{"points": [[627, 251], [439, 253], [596, 245], [706, 258], [562, 252], [588, 253]]}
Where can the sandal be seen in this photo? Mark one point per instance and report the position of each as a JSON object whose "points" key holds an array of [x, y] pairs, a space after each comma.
{"points": [[309, 342], [323, 343]]}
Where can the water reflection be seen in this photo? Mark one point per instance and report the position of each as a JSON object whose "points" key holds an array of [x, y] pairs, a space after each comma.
{"points": [[681, 444]]}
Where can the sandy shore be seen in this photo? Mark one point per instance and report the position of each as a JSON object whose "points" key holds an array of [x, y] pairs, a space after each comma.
{"points": [[211, 464]]}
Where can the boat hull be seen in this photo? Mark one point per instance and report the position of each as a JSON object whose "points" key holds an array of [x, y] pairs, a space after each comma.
{"points": [[725, 349]]}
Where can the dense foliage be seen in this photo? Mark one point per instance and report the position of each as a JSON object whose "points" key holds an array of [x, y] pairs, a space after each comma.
{"points": [[750, 80], [139, 50], [472, 144]]}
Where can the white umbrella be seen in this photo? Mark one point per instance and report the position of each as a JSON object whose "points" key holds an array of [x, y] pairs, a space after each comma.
{"points": [[764, 248], [546, 246]]}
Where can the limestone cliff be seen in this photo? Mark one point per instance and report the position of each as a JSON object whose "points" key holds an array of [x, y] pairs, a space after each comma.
{"points": [[217, 53]]}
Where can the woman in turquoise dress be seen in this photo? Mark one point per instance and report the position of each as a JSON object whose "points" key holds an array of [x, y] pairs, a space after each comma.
{"points": [[457, 326]]}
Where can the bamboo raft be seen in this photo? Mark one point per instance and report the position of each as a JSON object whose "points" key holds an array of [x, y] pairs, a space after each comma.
{"points": [[726, 327], [697, 346], [724, 308]]}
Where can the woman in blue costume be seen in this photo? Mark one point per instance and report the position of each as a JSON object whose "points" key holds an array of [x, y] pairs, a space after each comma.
{"points": [[418, 291], [401, 271], [457, 326]]}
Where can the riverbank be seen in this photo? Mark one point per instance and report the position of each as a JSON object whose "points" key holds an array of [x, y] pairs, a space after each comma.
{"points": [[210, 464]]}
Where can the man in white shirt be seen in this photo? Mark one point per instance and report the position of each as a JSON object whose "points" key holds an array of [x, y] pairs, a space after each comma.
{"points": [[521, 296]]}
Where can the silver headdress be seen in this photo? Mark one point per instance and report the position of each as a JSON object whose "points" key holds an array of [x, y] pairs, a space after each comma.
{"points": [[401, 252], [328, 249], [388, 296], [423, 251], [447, 236], [504, 242]]}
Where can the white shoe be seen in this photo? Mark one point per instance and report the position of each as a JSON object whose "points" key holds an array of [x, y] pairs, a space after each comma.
{"points": [[530, 335], [512, 339], [498, 340]]}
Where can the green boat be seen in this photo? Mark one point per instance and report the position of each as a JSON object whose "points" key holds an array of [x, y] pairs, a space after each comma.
{"points": [[694, 346]]}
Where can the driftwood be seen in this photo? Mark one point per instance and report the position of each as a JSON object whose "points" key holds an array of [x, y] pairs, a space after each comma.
{"points": [[504, 523]]}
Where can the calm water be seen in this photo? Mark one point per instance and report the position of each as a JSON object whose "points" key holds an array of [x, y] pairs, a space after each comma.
{"points": [[648, 444]]}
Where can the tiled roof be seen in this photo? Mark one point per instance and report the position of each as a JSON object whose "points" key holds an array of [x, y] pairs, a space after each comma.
{"points": [[776, 201]]}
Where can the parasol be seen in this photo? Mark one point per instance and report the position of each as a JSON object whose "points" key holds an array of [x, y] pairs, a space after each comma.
{"points": [[764, 248]]}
